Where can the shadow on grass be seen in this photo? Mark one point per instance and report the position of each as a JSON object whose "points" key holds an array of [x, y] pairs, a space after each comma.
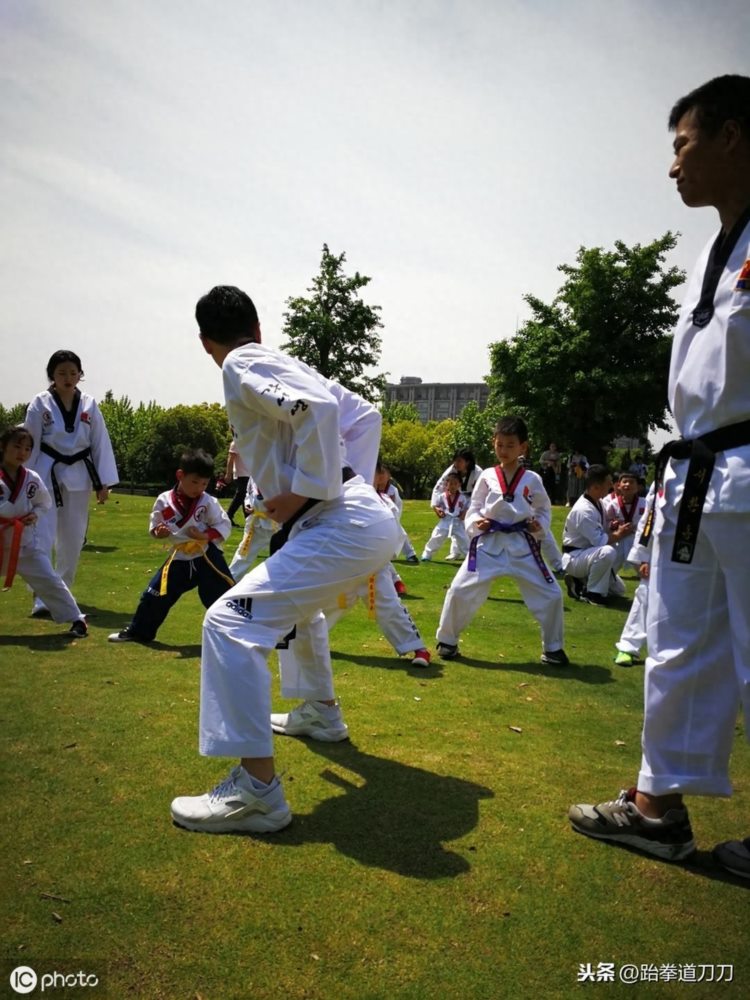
{"points": [[100, 548], [588, 673], [51, 643], [700, 864], [397, 818], [186, 652], [394, 662]]}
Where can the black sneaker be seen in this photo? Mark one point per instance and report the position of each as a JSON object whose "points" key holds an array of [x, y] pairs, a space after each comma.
{"points": [[557, 657], [588, 597], [446, 651], [670, 837], [573, 586], [79, 629], [413, 560], [734, 855], [123, 636]]}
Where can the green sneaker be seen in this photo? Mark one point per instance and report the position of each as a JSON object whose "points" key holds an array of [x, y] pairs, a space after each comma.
{"points": [[627, 659]]}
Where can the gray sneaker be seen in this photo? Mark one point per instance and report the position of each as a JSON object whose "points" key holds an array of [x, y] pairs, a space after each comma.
{"points": [[670, 837], [234, 806], [312, 719], [734, 855]]}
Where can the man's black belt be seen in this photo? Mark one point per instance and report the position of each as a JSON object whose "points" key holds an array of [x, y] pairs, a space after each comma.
{"points": [[570, 548], [80, 456], [701, 452]]}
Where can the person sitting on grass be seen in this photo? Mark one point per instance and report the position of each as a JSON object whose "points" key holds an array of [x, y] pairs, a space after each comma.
{"points": [[589, 550], [194, 522], [508, 515], [450, 507], [22, 494]]}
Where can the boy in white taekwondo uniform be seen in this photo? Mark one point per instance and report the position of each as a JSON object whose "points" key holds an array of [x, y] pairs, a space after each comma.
{"points": [[698, 668], [23, 496], [509, 512], [195, 524], [335, 534], [469, 472], [633, 637], [453, 506], [589, 552], [624, 506], [73, 455]]}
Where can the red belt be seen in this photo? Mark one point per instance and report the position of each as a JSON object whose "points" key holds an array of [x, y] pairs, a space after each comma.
{"points": [[16, 525]]}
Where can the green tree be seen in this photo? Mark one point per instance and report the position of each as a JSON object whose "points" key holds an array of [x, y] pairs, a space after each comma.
{"points": [[473, 430], [392, 413], [334, 331], [155, 452], [12, 415], [593, 364], [417, 453]]}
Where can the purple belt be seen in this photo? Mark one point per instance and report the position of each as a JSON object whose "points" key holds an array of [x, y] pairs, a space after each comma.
{"points": [[519, 527]]}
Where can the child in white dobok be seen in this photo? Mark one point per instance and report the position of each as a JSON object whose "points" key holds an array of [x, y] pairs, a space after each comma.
{"points": [[451, 507], [508, 515], [23, 496]]}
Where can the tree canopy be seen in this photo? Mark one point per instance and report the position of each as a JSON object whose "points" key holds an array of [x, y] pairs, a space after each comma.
{"points": [[593, 364], [334, 331]]}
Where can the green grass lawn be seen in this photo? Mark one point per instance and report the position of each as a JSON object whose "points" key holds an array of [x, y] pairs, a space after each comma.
{"points": [[429, 857]]}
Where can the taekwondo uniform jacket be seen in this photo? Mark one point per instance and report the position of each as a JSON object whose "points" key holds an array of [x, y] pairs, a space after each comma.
{"points": [[180, 513]]}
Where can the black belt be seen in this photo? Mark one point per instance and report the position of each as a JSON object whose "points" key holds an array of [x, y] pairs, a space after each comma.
{"points": [[80, 456], [702, 453], [281, 537], [570, 548]]}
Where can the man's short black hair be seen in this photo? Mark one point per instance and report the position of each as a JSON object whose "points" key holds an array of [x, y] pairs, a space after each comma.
{"points": [[198, 462], [513, 425], [226, 314], [597, 474], [722, 99]]}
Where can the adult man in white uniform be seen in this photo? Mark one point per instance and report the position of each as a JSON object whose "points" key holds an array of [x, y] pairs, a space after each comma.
{"points": [[335, 533], [698, 671]]}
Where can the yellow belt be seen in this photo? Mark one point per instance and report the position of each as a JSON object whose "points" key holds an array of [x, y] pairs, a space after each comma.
{"points": [[248, 536], [191, 548]]}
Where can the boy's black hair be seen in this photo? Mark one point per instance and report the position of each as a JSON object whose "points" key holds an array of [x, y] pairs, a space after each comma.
{"points": [[13, 434], [454, 475], [197, 461], [596, 474], [513, 425], [226, 314], [61, 358], [722, 99]]}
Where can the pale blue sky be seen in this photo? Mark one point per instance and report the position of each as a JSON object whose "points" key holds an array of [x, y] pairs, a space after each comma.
{"points": [[457, 151]]}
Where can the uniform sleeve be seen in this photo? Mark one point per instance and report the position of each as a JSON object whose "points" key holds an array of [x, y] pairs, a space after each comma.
{"points": [[541, 506], [217, 520], [101, 448], [439, 486], [33, 421], [309, 410], [156, 513], [478, 498], [41, 500]]}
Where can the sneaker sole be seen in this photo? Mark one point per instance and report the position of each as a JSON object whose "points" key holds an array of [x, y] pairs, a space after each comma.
{"points": [[417, 661], [321, 735], [250, 824], [727, 864], [667, 852]]}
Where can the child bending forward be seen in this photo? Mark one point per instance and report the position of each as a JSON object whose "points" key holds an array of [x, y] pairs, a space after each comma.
{"points": [[508, 515], [194, 522], [23, 496]]}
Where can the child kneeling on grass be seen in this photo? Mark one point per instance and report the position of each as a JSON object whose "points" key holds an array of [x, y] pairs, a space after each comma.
{"points": [[22, 551], [508, 515], [194, 521]]}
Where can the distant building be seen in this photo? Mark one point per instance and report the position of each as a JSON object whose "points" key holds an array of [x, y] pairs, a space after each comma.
{"points": [[437, 400]]}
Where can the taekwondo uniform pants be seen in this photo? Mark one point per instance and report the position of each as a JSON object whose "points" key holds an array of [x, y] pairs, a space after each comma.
{"points": [[447, 527], [64, 529], [597, 567], [183, 575], [331, 550], [392, 616], [634, 631], [470, 589], [698, 670], [35, 569]]}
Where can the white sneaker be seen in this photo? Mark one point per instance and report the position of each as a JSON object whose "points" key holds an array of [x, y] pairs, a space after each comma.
{"points": [[234, 806], [313, 719]]}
